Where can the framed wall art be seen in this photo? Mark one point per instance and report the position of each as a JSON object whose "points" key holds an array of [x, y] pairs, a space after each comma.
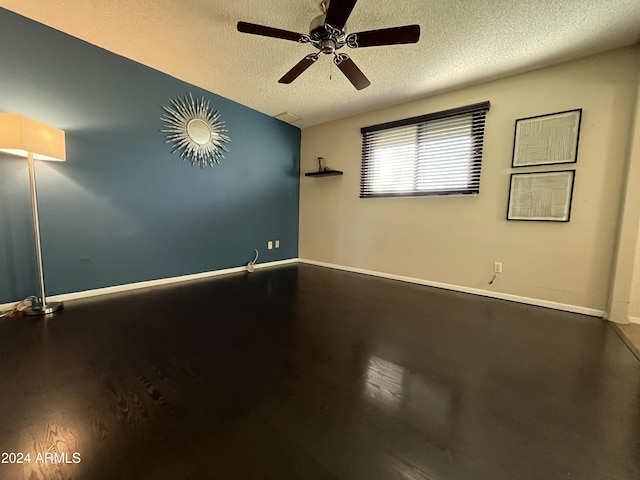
{"points": [[547, 139], [541, 196]]}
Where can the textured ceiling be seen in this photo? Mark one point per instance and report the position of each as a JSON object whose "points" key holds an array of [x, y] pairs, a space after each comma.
{"points": [[462, 41]]}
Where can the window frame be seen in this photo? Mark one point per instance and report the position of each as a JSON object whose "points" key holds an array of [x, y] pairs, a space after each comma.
{"points": [[478, 113]]}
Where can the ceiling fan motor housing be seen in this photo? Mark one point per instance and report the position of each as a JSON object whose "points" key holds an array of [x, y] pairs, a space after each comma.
{"points": [[325, 38], [316, 28]]}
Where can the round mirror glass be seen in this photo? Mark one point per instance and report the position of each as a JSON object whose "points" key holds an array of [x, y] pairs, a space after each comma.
{"points": [[199, 131]]}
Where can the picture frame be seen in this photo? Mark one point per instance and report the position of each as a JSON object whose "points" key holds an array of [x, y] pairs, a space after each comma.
{"points": [[547, 139], [541, 196]]}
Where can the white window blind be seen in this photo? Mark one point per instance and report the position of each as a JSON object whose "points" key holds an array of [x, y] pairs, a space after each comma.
{"points": [[434, 154]]}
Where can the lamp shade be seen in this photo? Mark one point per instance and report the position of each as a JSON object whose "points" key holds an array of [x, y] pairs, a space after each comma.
{"points": [[20, 135]]}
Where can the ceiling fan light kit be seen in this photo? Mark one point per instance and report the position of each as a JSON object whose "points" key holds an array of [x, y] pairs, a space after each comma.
{"points": [[327, 34]]}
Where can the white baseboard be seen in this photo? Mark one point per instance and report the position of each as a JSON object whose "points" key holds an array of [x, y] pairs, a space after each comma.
{"points": [[457, 288], [474, 291], [635, 320], [154, 283]]}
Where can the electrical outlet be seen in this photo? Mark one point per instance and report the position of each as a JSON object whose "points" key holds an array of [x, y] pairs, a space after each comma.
{"points": [[277, 243], [269, 245], [497, 267]]}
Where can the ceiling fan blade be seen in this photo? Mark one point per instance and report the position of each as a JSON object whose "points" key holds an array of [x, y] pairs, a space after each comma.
{"points": [[338, 13], [254, 29], [384, 36], [300, 67], [351, 71]]}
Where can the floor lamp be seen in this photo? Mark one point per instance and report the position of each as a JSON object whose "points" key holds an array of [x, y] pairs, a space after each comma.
{"points": [[33, 140]]}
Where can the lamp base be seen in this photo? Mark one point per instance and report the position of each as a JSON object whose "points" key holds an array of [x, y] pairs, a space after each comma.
{"points": [[45, 310]]}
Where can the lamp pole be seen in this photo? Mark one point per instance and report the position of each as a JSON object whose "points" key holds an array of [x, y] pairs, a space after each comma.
{"points": [[55, 306]]}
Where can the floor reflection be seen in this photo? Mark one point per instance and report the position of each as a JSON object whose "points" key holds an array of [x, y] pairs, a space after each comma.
{"points": [[428, 404], [54, 449], [384, 385]]}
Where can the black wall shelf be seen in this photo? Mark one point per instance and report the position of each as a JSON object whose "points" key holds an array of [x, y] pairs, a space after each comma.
{"points": [[326, 173]]}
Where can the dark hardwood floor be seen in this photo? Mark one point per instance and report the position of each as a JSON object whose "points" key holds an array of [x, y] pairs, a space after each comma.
{"points": [[303, 372]]}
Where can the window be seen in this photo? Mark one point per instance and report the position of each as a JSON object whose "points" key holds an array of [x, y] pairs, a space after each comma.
{"points": [[435, 154]]}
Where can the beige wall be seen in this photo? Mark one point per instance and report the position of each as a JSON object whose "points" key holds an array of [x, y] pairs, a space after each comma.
{"points": [[455, 240], [634, 300], [632, 220]]}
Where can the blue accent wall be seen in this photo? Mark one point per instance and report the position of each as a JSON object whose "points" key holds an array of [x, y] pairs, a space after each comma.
{"points": [[123, 208]]}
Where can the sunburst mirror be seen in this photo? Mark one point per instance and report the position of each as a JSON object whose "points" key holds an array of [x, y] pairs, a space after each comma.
{"points": [[195, 131]]}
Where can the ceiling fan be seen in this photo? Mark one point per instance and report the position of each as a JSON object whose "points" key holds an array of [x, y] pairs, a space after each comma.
{"points": [[326, 33]]}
